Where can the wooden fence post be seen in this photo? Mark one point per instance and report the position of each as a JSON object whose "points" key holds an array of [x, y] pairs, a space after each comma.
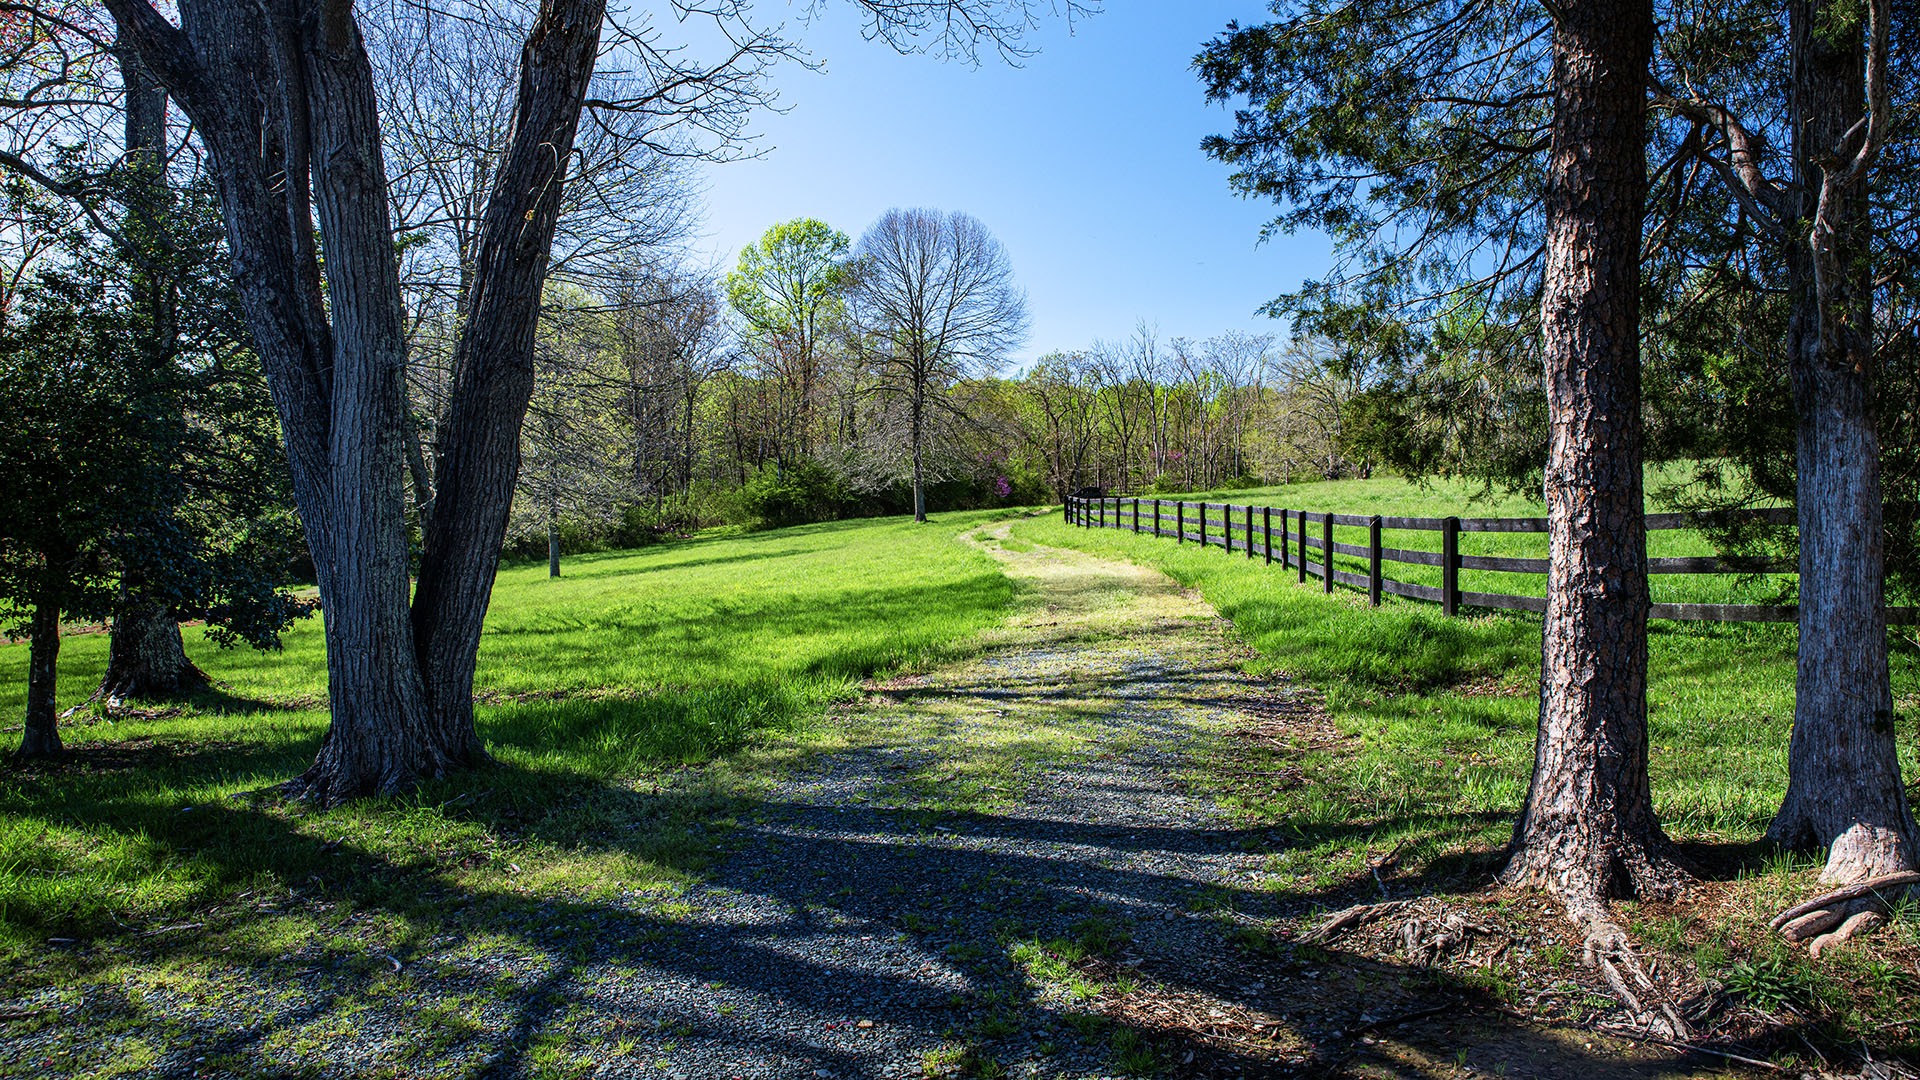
{"points": [[1326, 551], [1156, 518], [1450, 566], [1301, 567], [1136, 515], [1179, 521], [1373, 561], [1203, 523], [1249, 530], [1266, 531]]}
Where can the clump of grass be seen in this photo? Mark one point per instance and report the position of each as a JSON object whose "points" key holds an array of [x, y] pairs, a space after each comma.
{"points": [[1771, 984]]}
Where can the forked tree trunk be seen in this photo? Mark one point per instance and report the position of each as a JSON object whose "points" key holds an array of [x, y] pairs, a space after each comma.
{"points": [[145, 657], [41, 736], [1587, 832], [1844, 790], [282, 94], [478, 456]]}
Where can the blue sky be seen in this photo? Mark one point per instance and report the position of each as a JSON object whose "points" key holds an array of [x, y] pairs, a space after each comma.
{"points": [[1084, 161]]}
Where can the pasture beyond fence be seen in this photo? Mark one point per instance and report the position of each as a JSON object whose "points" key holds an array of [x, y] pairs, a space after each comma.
{"points": [[1285, 536]]}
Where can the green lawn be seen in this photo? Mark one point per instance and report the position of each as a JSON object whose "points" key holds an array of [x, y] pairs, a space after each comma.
{"points": [[1444, 708], [1393, 497], [603, 681], [1433, 728]]}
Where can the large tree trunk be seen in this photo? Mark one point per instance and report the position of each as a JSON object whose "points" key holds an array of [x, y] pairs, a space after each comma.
{"points": [[283, 96], [1588, 831], [41, 736], [145, 656], [478, 457], [1844, 790]]}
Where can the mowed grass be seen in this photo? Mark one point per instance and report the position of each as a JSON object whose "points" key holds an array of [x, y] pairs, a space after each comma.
{"points": [[1393, 497], [1442, 710], [1431, 746], [597, 690]]}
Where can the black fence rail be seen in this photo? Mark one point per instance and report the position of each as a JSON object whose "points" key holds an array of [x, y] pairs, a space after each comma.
{"points": [[1286, 537]]}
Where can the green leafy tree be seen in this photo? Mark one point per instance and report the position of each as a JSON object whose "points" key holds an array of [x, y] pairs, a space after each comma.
{"points": [[790, 289], [138, 454]]}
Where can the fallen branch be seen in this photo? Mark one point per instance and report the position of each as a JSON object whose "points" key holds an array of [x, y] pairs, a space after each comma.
{"points": [[1405, 1017], [1691, 1048]]}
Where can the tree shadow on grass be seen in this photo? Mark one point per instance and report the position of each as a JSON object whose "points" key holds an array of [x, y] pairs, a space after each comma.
{"points": [[328, 947]]}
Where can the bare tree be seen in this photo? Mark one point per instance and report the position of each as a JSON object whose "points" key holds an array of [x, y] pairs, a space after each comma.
{"points": [[936, 295], [669, 332], [1312, 385], [1064, 389], [284, 98]]}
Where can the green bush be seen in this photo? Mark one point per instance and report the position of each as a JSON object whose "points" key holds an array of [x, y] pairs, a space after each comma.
{"points": [[799, 493]]}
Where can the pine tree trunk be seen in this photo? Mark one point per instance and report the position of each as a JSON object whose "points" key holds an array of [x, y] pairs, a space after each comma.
{"points": [[41, 736], [1588, 831], [1844, 789], [145, 657]]}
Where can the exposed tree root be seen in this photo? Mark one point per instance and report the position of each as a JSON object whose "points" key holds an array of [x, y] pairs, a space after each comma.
{"points": [[1609, 950], [1355, 916], [1831, 918]]}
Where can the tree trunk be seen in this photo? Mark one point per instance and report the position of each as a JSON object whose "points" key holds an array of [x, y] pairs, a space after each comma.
{"points": [[1844, 789], [919, 487], [1588, 831], [553, 546], [145, 657], [478, 458], [286, 107], [41, 736]]}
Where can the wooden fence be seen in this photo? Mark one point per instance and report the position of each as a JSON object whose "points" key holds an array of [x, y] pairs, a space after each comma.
{"points": [[1287, 536]]}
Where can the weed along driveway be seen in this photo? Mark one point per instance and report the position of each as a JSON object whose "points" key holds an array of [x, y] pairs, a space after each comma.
{"points": [[1027, 862]]}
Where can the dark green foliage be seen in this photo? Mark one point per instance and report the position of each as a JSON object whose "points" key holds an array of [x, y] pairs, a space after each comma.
{"points": [[78, 474], [797, 494], [142, 438]]}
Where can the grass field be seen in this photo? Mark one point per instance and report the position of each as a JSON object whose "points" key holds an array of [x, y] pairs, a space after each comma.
{"points": [[1424, 690], [1392, 497], [629, 666], [1436, 720], [624, 701]]}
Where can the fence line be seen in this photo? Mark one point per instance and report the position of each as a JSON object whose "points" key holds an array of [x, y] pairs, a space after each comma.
{"points": [[1291, 551]]}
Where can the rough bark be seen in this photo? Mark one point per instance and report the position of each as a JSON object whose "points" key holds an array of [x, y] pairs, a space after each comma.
{"points": [[145, 656], [1587, 832], [41, 736], [282, 95], [478, 457], [1844, 789]]}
